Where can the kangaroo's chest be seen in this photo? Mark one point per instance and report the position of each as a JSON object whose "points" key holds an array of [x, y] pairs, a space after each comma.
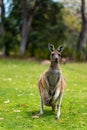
{"points": [[53, 78]]}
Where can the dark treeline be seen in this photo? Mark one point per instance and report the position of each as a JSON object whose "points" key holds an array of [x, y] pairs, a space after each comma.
{"points": [[32, 24]]}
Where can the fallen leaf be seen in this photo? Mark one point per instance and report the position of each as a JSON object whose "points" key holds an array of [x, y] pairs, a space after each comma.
{"points": [[9, 79], [31, 94], [1, 118], [20, 95], [22, 105], [17, 111], [35, 117], [7, 101]]}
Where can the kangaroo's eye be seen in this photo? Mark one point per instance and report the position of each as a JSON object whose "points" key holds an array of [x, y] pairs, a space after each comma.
{"points": [[59, 54], [52, 54]]}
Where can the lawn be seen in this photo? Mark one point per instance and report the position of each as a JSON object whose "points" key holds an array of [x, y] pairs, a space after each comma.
{"points": [[19, 97]]}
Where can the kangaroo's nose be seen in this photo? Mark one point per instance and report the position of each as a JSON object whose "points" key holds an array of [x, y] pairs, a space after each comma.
{"points": [[56, 59]]}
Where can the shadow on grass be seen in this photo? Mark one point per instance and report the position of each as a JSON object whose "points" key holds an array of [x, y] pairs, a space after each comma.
{"points": [[47, 113]]}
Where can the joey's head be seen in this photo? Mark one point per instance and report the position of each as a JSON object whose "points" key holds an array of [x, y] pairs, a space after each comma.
{"points": [[55, 53]]}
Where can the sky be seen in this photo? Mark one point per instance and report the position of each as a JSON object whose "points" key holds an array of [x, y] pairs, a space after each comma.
{"points": [[7, 4], [55, 0]]}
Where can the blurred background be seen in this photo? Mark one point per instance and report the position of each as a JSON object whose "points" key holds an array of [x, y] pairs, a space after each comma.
{"points": [[27, 26]]}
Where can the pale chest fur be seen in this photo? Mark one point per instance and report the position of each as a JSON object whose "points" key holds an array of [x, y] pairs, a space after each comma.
{"points": [[53, 78]]}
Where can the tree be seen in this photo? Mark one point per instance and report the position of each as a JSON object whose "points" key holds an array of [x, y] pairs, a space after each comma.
{"points": [[2, 13], [11, 26], [82, 35], [2, 28], [47, 27], [38, 22], [27, 15]]}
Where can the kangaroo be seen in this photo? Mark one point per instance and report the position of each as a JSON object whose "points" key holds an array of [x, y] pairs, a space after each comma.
{"points": [[52, 83]]}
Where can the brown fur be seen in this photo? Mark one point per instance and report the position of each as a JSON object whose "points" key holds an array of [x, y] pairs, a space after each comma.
{"points": [[52, 84]]}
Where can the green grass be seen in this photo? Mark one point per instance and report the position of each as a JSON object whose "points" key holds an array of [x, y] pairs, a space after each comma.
{"points": [[19, 97]]}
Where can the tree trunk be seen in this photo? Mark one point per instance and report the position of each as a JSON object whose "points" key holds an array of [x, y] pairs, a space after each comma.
{"points": [[86, 50], [27, 21], [2, 30], [24, 38], [82, 35], [25, 31]]}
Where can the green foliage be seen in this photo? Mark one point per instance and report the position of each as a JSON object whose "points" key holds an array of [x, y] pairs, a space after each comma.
{"points": [[81, 55], [19, 97], [48, 22], [12, 25], [47, 27], [42, 52], [53, 23]]}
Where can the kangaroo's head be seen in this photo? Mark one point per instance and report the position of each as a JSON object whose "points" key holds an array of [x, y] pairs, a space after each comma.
{"points": [[55, 53]]}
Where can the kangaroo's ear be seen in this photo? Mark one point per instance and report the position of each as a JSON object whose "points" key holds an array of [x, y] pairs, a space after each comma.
{"points": [[60, 48], [51, 47]]}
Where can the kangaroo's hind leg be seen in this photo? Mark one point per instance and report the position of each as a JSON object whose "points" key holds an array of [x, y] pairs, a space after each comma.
{"points": [[41, 106], [44, 98], [59, 106]]}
